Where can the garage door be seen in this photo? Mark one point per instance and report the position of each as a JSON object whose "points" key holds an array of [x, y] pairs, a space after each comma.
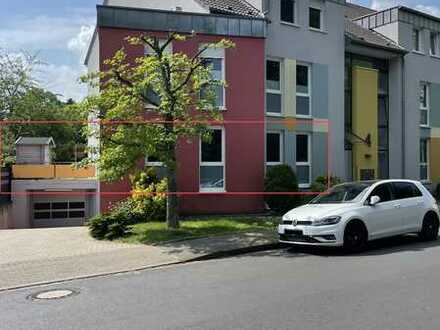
{"points": [[58, 213]]}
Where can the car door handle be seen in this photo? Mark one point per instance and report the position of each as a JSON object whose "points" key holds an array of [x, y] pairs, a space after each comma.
{"points": [[397, 206]]}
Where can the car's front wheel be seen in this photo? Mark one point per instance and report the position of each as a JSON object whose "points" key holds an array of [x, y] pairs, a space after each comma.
{"points": [[355, 237], [430, 227]]}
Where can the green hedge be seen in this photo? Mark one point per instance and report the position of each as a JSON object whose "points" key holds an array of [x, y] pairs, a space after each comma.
{"points": [[281, 178]]}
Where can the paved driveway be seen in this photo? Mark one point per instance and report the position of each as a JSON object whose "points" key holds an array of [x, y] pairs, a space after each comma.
{"points": [[30, 256], [34, 256]]}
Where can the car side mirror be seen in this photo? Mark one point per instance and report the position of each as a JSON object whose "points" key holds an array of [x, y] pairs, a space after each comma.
{"points": [[374, 200]]}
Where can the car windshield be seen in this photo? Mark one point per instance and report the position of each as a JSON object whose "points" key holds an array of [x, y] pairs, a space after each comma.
{"points": [[344, 193]]}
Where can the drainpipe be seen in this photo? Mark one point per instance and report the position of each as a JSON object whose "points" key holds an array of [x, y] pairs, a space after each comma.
{"points": [[403, 117]]}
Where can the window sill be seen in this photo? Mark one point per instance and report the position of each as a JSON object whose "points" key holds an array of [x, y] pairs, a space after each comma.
{"points": [[304, 116], [153, 164], [435, 56], [318, 30], [274, 164], [425, 126], [304, 185], [418, 52], [207, 191], [290, 24], [274, 114]]}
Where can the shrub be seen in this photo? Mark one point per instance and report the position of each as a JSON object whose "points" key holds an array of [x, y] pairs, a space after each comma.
{"points": [[147, 203], [149, 198], [281, 178], [109, 226], [321, 183]]}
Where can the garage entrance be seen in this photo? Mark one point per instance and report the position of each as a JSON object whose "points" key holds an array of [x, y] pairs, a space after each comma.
{"points": [[58, 212]]}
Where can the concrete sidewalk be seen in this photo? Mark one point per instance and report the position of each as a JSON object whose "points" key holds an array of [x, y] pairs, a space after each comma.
{"points": [[37, 256]]}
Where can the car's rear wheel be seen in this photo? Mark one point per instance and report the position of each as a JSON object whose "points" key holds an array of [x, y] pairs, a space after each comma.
{"points": [[355, 237], [430, 227]]}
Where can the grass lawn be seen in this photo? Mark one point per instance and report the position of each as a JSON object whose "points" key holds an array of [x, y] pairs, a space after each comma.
{"points": [[156, 232]]}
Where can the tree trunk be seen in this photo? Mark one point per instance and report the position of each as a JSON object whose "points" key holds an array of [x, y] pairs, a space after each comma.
{"points": [[172, 200]]}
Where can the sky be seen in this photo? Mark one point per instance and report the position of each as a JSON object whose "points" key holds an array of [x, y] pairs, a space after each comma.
{"points": [[58, 31]]}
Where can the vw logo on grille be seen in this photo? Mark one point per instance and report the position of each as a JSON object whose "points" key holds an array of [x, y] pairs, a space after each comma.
{"points": [[295, 222]]}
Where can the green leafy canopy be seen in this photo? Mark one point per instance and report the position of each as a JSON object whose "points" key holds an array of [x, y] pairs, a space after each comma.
{"points": [[173, 92]]}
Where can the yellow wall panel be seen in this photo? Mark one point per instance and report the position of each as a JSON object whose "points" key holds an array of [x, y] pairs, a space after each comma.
{"points": [[51, 172], [434, 159], [365, 121], [289, 102], [69, 172]]}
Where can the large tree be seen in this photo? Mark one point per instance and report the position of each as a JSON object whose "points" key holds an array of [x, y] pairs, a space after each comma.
{"points": [[22, 102], [154, 102], [15, 78], [37, 105]]}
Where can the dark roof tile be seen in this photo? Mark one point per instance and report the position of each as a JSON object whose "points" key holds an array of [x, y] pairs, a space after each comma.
{"points": [[234, 7], [358, 33]]}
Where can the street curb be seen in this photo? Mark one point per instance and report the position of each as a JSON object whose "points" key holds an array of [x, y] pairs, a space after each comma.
{"points": [[209, 256]]}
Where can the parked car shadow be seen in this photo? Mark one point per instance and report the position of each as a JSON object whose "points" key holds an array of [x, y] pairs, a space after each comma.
{"points": [[378, 247]]}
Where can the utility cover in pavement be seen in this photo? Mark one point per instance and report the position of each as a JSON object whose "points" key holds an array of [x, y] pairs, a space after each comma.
{"points": [[53, 294]]}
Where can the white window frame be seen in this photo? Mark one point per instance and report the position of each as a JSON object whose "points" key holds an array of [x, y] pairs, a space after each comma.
{"points": [[152, 164], [222, 163], [419, 47], [309, 162], [321, 18], [436, 36], [309, 94], [427, 162], [295, 14], [274, 91], [423, 108], [217, 53], [281, 137]]}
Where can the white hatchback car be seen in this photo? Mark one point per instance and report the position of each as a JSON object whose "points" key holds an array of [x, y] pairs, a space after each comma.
{"points": [[351, 214]]}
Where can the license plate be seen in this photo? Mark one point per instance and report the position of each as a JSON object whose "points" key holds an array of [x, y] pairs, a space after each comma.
{"points": [[293, 233]]}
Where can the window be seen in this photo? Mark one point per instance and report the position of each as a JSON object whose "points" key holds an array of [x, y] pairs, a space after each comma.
{"points": [[424, 104], [303, 90], [315, 18], [424, 160], [434, 43], [403, 190], [383, 192], [303, 160], [149, 93], [288, 11], [274, 148], [212, 162], [215, 60], [273, 87], [417, 40]]}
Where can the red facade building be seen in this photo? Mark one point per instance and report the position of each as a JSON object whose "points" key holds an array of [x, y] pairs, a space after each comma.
{"points": [[225, 176]]}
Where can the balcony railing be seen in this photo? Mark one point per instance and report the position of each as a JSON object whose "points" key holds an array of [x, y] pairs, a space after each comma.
{"points": [[52, 171]]}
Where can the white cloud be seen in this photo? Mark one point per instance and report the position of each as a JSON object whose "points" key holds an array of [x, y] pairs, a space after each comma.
{"points": [[62, 80], [80, 42], [384, 4], [54, 35], [43, 32]]}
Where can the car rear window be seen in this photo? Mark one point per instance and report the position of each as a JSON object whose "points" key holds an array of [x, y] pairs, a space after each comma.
{"points": [[404, 190]]}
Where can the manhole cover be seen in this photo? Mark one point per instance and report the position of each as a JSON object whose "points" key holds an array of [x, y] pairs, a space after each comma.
{"points": [[53, 294]]}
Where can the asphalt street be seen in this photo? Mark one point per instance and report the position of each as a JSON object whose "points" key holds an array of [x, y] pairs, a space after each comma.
{"points": [[393, 285]]}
